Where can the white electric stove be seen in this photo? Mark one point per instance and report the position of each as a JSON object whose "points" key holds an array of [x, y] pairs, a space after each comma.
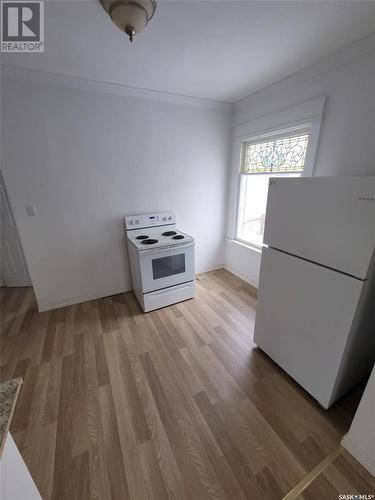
{"points": [[161, 260]]}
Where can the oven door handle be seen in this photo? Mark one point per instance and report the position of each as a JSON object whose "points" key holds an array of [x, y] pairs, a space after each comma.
{"points": [[182, 246]]}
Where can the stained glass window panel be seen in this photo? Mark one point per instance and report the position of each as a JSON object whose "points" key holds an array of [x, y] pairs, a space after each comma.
{"points": [[283, 155]]}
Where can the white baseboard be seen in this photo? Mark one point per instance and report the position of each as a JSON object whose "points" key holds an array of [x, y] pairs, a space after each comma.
{"points": [[231, 270], [360, 455], [208, 270], [20, 285], [78, 300], [47, 306]]}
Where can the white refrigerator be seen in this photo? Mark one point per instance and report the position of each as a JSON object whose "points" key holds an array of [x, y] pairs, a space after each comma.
{"points": [[316, 300]]}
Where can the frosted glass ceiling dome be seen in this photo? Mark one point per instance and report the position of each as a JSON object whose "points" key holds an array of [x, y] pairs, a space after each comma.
{"points": [[130, 16]]}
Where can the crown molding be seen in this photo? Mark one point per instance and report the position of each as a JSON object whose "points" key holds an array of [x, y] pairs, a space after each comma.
{"points": [[339, 58], [9, 72]]}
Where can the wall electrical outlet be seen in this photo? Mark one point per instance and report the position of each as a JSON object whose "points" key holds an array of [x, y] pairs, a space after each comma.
{"points": [[31, 211]]}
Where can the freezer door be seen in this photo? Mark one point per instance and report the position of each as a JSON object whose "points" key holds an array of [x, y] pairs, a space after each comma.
{"points": [[328, 220], [303, 320]]}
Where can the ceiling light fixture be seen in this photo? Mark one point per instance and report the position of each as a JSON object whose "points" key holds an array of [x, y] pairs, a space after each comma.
{"points": [[130, 16]]}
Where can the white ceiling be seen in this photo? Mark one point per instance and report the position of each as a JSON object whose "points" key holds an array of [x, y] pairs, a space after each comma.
{"points": [[221, 50]]}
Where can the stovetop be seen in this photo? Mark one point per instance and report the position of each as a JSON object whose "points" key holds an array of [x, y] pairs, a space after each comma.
{"points": [[157, 237]]}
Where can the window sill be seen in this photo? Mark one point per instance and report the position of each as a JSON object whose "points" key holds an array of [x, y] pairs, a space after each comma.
{"points": [[246, 245]]}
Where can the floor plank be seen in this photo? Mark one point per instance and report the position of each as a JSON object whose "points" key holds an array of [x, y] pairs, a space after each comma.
{"points": [[344, 476], [177, 403]]}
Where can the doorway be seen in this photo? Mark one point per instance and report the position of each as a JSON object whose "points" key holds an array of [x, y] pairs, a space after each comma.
{"points": [[13, 268]]}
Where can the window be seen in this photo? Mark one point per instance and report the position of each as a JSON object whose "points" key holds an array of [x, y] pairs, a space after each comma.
{"points": [[280, 156]]}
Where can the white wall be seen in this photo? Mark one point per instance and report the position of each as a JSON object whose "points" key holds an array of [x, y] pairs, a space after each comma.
{"points": [[360, 440], [346, 140], [1, 273], [243, 263], [86, 159]]}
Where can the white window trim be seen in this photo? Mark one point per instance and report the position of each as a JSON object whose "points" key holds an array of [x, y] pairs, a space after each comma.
{"points": [[310, 116], [271, 135]]}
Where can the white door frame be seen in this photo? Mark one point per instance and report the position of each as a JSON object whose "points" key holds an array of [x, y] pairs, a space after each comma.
{"points": [[13, 267]]}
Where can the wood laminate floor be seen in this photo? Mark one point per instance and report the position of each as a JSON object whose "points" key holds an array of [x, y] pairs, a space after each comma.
{"points": [[177, 403]]}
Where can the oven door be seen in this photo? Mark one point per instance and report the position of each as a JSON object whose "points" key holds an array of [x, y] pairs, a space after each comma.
{"points": [[168, 266]]}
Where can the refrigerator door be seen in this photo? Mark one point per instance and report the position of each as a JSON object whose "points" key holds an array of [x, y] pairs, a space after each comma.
{"points": [[304, 318], [328, 220]]}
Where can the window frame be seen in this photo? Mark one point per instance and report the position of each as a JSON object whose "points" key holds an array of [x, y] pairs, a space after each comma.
{"points": [[307, 171], [259, 122]]}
